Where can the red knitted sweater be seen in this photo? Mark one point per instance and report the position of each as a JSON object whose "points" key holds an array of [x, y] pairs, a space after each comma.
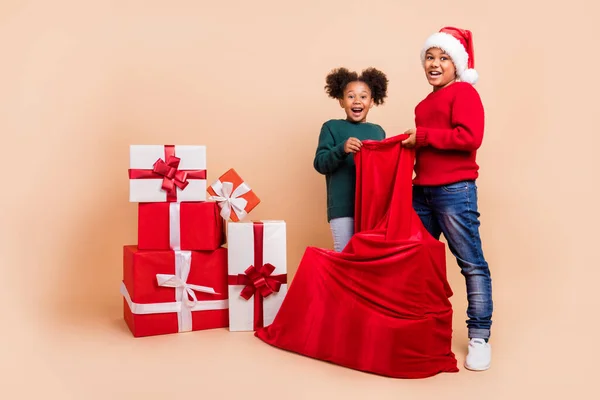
{"points": [[450, 126]]}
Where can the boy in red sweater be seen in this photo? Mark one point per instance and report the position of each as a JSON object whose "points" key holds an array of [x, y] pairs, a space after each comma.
{"points": [[449, 130]]}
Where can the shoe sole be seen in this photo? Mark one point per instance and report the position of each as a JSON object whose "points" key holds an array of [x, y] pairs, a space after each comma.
{"points": [[478, 369]]}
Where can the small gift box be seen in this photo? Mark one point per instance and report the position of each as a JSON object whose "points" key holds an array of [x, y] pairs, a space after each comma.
{"points": [[235, 198]]}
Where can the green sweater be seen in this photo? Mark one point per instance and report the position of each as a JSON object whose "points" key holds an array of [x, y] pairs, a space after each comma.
{"points": [[337, 166]]}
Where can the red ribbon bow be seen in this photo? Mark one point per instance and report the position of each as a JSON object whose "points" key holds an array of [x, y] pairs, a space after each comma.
{"points": [[171, 176], [259, 279]]}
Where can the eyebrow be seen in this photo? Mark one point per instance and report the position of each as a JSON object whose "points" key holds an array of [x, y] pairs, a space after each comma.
{"points": [[443, 53]]}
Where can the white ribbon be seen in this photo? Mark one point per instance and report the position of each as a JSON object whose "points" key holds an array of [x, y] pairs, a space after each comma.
{"points": [[188, 290], [230, 199], [186, 300], [174, 225], [175, 306]]}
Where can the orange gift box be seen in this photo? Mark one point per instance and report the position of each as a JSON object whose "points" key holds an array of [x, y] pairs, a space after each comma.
{"points": [[235, 198]]}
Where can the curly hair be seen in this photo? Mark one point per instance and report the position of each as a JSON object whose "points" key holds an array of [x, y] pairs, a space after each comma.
{"points": [[339, 78]]}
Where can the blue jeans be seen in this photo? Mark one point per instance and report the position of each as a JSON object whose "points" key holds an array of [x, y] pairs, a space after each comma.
{"points": [[452, 210], [342, 230]]}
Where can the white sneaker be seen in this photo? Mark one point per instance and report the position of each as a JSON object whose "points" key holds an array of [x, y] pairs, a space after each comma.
{"points": [[479, 357]]}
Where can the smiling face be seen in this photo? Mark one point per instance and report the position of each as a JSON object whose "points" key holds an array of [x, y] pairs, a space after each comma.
{"points": [[439, 68], [357, 101]]}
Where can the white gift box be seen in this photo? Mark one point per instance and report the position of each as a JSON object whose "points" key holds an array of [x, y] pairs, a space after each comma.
{"points": [[257, 267], [167, 173]]}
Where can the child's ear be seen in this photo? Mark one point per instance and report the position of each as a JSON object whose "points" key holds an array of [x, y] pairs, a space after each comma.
{"points": [[372, 103], [341, 102]]}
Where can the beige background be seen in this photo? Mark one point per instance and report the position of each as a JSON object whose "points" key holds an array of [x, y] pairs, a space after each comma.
{"points": [[82, 80]]}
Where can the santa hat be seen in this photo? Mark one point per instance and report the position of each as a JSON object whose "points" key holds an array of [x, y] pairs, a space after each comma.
{"points": [[458, 44]]}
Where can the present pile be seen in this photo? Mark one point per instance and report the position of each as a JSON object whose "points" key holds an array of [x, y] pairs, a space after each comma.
{"points": [[187, 272]]}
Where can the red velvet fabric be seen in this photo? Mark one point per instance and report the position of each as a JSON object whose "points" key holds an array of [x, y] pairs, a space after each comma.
{"points": [[382, 305]]}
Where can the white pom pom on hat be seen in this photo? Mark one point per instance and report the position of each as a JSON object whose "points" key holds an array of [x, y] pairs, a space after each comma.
{"points": [[458, 44]]}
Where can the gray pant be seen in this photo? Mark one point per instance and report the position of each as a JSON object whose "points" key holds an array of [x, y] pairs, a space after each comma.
{"points": [[342, 230]]}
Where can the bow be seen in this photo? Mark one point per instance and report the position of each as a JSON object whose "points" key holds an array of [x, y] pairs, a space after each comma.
{"points": [[229, 199], [173, 281], [259, 279], [171, 176]]}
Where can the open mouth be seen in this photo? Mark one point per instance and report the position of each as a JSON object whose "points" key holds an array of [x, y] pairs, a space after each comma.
{"points": [[435, 74], [357, 110]]}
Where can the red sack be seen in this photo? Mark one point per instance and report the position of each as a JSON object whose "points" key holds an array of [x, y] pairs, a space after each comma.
{"points": [[381, 305]]}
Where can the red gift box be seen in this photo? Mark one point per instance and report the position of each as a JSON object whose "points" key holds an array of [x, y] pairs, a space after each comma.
{"points": [[174, 291], [180, 226]]}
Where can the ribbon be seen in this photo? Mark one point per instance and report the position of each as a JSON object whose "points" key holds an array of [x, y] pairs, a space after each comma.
{"points": [[259, 281], [229, 200], [187, 289], [185, 296], [175, 226], [172, 177], [174, 306]]}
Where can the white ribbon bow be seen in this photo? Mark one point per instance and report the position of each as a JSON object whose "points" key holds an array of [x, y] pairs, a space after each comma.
{"points": [[176, 282], [229, 199]]}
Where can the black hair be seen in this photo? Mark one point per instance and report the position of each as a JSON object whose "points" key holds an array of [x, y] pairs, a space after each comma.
{"points": [[339, 78]]}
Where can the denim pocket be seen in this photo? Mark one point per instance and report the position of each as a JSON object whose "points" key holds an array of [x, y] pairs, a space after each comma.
{"points": [[456, 187]]}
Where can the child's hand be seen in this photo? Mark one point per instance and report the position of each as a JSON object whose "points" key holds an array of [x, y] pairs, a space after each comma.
{"points": [[352, 145], [411, 141]]}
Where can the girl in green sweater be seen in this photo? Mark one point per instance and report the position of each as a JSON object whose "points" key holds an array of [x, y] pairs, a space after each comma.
{"points": [[341, 138]]}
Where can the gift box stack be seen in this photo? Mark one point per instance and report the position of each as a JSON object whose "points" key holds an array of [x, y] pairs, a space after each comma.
{"points": [[187, 273]]}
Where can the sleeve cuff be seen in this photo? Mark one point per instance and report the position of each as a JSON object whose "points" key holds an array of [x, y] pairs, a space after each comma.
{"points": [[421, 137]]}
